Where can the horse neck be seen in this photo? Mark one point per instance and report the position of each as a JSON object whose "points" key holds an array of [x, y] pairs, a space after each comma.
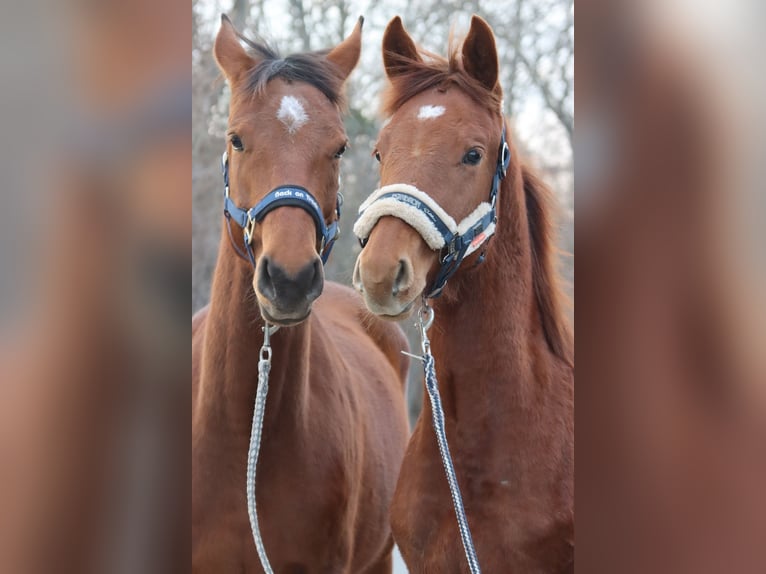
{"points": [[231, 351], [486, 334]]}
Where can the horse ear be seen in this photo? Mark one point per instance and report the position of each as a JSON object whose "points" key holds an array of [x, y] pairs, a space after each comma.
{"points": [[398, 48], [480, 54], [345, 55], [232, 58]]}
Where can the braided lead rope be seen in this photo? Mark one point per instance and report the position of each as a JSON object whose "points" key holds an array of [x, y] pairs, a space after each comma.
{"points": [[264, 366], [432, 387]]}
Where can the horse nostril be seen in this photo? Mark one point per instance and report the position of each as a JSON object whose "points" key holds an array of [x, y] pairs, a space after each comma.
{"points": [[265, 280], [402, 278], [317, 281], [356, 279]]}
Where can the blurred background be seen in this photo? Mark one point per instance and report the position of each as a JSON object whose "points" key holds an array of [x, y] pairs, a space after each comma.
{"points": [[671, 377], [535, 41]]}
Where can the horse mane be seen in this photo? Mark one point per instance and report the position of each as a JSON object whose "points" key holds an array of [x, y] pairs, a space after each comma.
{"points": [[413, 76], [312, 68], [546, 281]]}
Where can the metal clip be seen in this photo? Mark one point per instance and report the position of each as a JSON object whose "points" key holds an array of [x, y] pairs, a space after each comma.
{"points": [[268, 331], [425, 320]]}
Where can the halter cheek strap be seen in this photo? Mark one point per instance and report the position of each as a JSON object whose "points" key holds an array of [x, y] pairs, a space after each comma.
{"points": [[439, 230], [282, 196]]}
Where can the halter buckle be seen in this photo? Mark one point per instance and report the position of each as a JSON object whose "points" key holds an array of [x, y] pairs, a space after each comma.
{"points": [[249, 228], [451, 247]]}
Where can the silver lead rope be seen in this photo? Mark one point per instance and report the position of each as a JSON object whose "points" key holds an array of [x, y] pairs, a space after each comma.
{"points": [[424, 323], [264, 366]]}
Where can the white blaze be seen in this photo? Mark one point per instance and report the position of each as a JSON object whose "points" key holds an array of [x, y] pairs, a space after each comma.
{"points": [[292, 114], [430, 112]]}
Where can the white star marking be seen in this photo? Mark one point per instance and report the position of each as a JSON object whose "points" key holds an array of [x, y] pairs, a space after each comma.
{"points": [[292, 114]]}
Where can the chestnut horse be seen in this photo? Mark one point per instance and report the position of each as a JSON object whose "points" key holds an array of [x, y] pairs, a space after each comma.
{"points": [[335, 426], [502, 345]]}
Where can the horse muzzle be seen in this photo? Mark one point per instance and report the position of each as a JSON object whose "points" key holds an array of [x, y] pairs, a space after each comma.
{"points": [[285, 298], [388, 290]]}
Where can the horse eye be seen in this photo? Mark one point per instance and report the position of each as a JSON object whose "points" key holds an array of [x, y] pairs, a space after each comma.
{"points": [[341, 151], [377, 155], [236, 143], [472, 157]]}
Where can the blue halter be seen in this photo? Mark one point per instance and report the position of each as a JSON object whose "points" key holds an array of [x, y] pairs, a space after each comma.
{"points": [[284, 195], [455, 245]]}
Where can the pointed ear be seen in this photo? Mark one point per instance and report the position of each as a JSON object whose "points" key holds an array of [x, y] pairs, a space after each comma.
{"points": [[480, 54], [345, 55], [398, 47], [231, 56]]}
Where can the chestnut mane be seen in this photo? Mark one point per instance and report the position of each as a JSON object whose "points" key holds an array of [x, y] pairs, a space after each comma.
{"points": [[551, 300], [413, 76], [433, 71]]}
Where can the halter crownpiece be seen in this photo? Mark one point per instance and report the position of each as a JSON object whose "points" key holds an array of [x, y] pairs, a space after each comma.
{"points": [[282, 196], [455, 240]]}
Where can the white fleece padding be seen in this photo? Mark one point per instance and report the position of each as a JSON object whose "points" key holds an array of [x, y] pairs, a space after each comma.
{"points": [[373, 208], [481, 210]]}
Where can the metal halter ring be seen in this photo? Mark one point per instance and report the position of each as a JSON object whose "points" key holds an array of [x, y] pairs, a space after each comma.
{"points": [[249, 229], [505, 154]]}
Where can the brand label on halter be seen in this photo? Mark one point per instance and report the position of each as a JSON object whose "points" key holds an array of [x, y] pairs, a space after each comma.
{"points": [[478, 240], [297, 194], [416, 203]]}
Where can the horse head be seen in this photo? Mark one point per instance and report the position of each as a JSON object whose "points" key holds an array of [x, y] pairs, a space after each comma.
{"points": [[440, 155], [285, 138]]}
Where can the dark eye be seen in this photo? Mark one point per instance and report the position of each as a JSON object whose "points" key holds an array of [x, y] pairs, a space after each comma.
{"points": [[472, 157], [341, 151], [377, 155], [236, 143]]}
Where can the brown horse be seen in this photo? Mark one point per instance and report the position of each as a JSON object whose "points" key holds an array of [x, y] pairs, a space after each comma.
{"points": [[335, 427], [502, 345]]}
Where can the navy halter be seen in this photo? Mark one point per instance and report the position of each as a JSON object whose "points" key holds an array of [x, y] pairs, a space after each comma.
{"points": [[284, 195], [456, 246]]}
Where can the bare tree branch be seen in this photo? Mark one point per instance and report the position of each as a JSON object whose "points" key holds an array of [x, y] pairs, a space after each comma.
{"points": [[298, 12], [239, 13], [555, 104]]}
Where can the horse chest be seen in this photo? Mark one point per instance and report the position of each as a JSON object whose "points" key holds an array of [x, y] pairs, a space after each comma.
{"points": [[303, 513], [510, 519], [304, 529]]}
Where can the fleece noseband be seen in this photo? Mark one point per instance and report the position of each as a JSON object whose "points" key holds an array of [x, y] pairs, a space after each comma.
{"points": [[284, 195], [439, 230]]}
